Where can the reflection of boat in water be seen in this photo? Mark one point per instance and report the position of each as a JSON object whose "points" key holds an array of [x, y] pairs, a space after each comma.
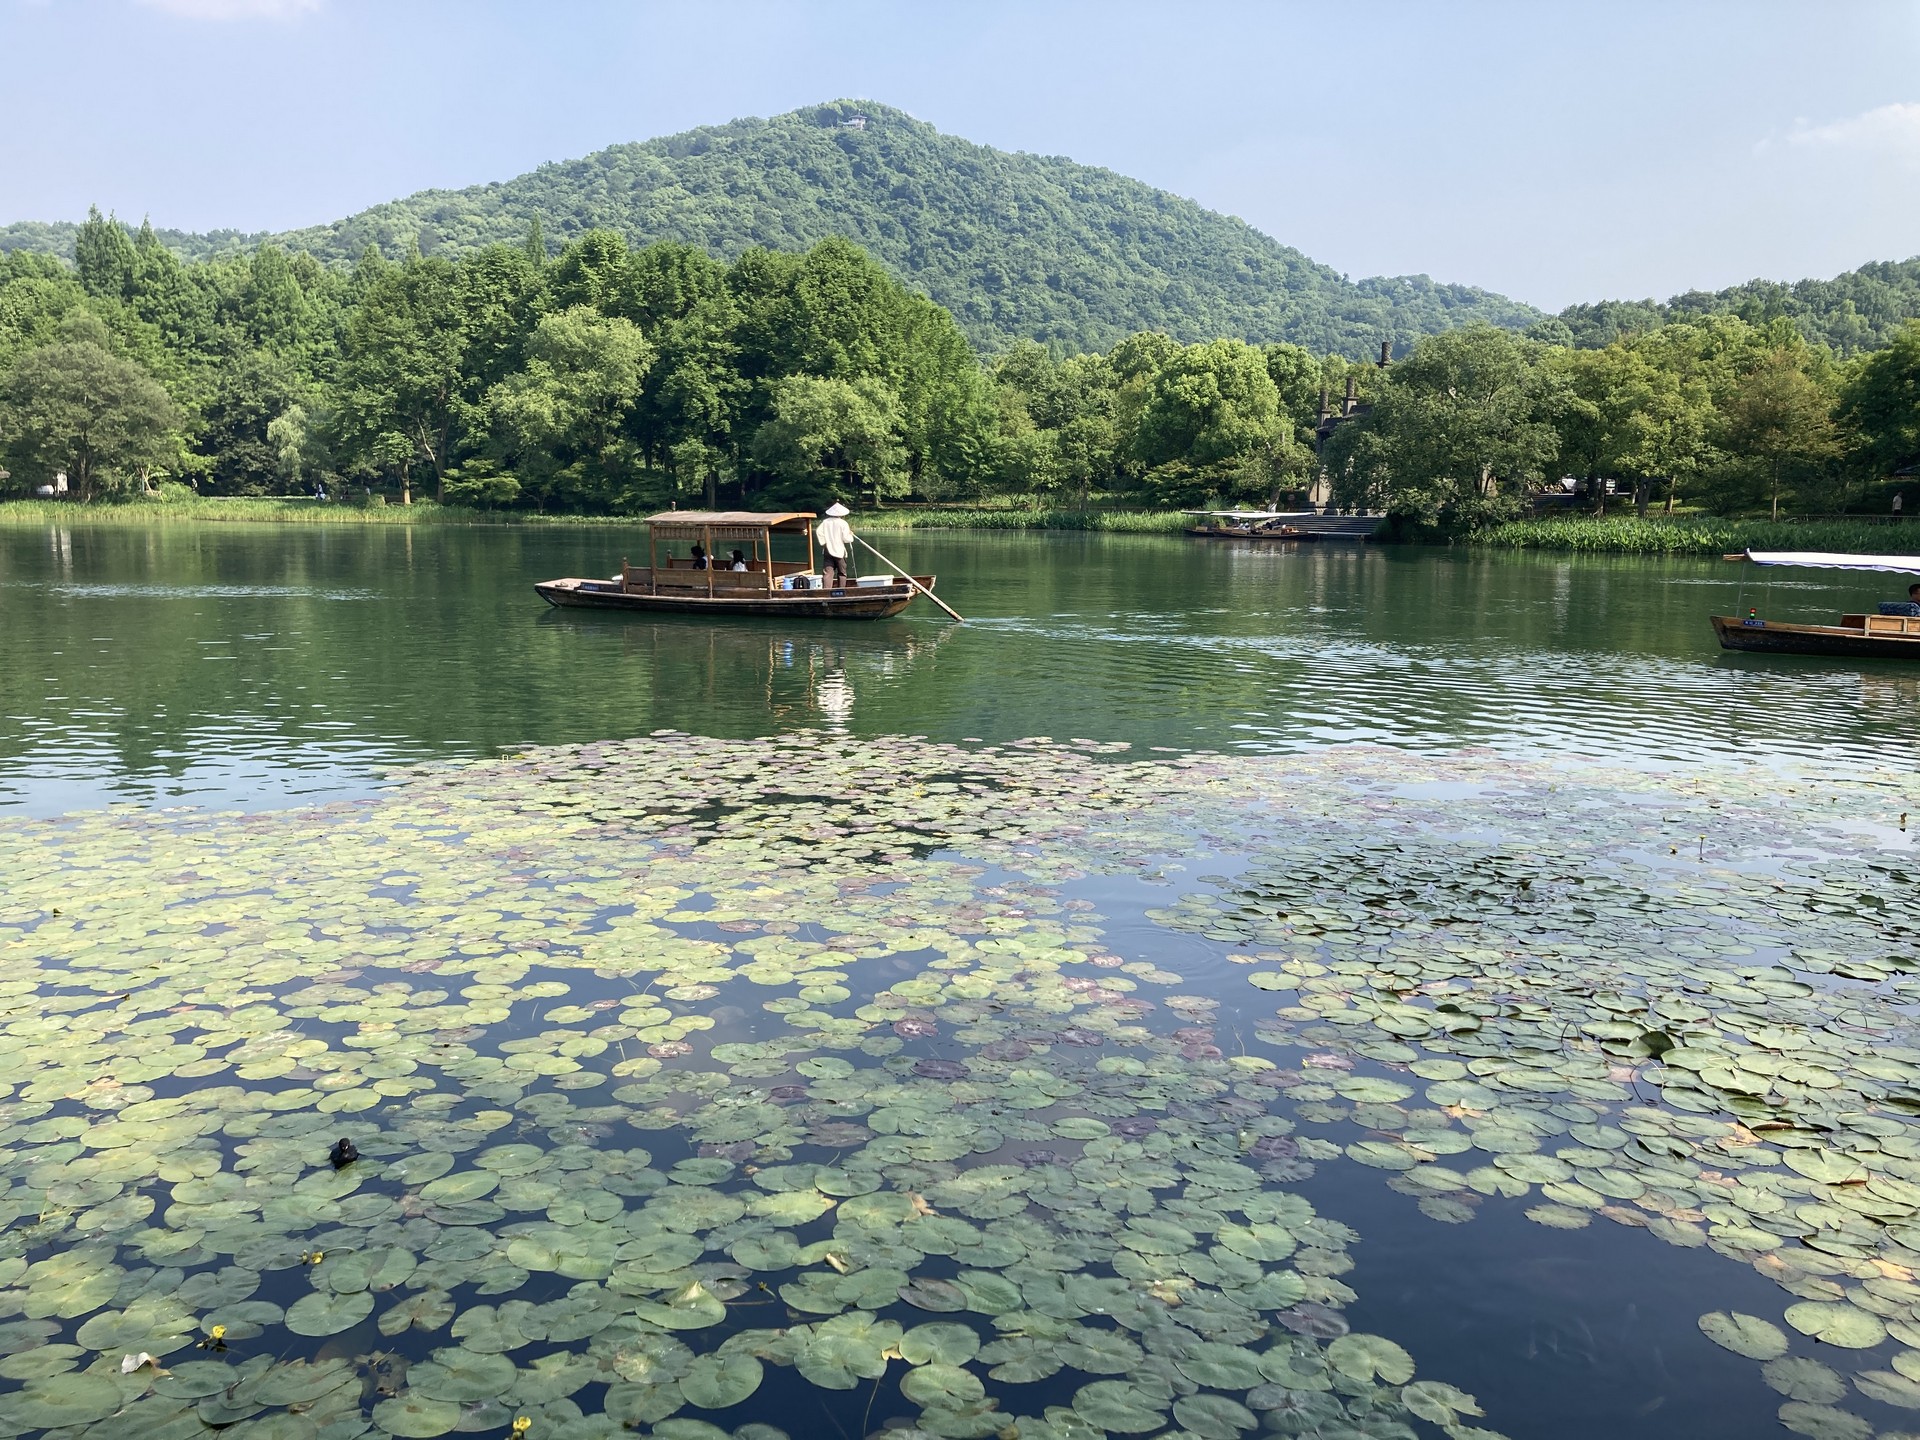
{"points": [[1280, 525], [709, 586], [1886, 636]]}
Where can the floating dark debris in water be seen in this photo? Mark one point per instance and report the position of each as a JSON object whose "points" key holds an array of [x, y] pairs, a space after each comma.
{"points": [[941, 1069]]}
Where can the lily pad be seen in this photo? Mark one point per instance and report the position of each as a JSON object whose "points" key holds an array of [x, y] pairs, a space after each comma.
{"points": [[1846, 1326], [415, 1417], [326, 1313], [942, 1342], [1120, 1407], [1746, 1335], [938, 1386], [1213, 1417], [462, 1376], [693, 1308], [1369, 1357], [59, 1400], [713, 1382]]}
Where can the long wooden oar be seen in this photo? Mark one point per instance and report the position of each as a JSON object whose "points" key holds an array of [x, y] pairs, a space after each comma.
{"points": [[913, 582]]}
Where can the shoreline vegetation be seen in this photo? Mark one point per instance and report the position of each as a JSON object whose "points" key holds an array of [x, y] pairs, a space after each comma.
{"points": [[1587, 534], [613, 381]]}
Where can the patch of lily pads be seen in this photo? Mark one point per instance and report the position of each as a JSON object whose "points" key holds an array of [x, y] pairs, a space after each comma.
{"points": [[1687, 1008], [650, 1101], [687, 1077]]}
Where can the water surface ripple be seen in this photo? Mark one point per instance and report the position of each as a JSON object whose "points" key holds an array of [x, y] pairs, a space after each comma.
{"points": [[260, 666]]}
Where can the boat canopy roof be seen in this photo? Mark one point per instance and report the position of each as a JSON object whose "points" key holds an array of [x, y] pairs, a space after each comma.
{"points": [[753, 519], [1821, 560]]}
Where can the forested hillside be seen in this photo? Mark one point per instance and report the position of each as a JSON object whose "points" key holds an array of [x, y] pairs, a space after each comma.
{"points": [[1860, 310], [1015, 246]]}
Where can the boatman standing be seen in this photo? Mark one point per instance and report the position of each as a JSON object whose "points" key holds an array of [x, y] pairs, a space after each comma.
{"points": [[836, 539]]}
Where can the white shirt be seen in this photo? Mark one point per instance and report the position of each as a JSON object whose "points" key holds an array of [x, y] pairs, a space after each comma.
{"points": [[835, 536]]}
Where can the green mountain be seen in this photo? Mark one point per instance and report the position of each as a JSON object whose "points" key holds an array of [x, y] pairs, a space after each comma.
{"points": [[1015, 245], [1859, 310]]}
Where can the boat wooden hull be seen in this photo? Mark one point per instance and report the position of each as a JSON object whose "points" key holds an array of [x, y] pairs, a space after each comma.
{"points": [[853, 603], [1768, 637], [1209, 532]]}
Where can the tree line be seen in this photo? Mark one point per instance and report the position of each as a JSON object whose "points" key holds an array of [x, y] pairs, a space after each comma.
{"points": [[605, 378], [1712, 413]]}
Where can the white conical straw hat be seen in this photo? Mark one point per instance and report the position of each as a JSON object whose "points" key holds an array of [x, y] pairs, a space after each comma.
{"points": [[838, 509]]}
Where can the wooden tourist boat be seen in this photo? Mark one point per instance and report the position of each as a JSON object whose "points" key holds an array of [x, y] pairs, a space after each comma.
{"points": [[1248, 524], [1856, 637], [669, 582], [1281, 525]]}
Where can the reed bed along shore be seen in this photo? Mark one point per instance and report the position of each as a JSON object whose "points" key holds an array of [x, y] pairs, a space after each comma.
{"points": [[1698, 535]]}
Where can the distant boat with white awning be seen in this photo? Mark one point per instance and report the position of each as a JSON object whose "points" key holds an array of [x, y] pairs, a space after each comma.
{"points": [[1892, 634]]}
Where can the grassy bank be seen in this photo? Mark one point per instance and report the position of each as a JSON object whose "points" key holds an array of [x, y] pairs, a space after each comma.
{"points": [[1631, 535], [313, 512]]}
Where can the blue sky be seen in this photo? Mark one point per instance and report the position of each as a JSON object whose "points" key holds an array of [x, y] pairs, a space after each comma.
{"points": [[1553, 151]]}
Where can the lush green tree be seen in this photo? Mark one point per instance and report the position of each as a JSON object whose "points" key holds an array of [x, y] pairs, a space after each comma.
{"points": [[1778, 425], [1604, 395], [37, 293], [592, 271], [103, 255], [1299, 377], [1881, 404], [298, 440], [1208, 404], [1673, 434], [401, 373], [1458, 432], [559, 420], [1281, 462], [689, 407], [251, 391], [75, 407], [833, 436]]}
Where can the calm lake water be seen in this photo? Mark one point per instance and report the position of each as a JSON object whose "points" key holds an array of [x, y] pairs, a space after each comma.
{"points": [[257, 666], [1417, 706]]}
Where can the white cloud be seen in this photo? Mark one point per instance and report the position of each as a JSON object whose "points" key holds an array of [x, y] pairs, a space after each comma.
{"points": [[233, 9], [1894, 128]]}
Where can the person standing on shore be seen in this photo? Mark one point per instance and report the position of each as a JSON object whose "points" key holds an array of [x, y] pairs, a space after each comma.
{"points": [[836, 539]]}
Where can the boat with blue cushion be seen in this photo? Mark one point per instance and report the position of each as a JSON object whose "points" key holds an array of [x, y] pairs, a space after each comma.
{"points": [[1891, 634]]}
